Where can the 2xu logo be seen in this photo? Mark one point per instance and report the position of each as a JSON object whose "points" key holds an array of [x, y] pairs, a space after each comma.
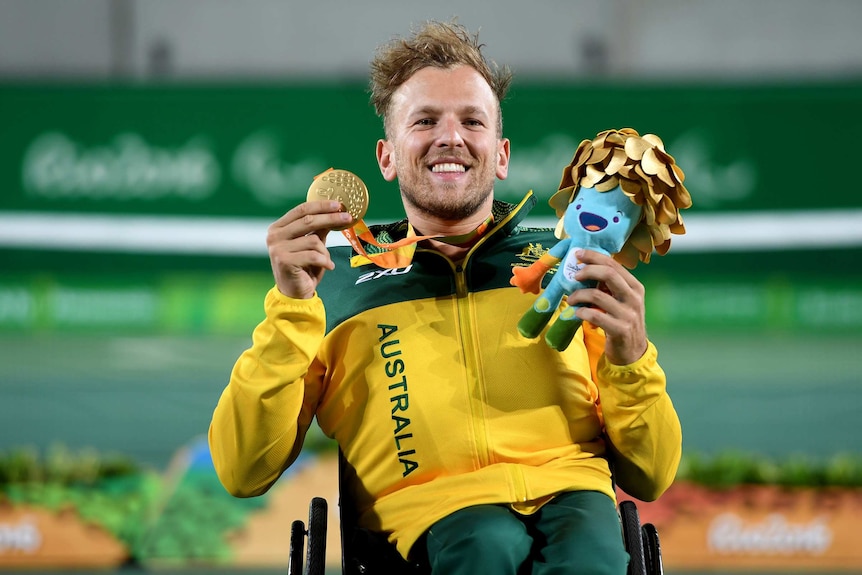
{"points": [[377, 274]]}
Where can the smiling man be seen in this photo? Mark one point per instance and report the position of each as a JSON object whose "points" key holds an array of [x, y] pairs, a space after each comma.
{"points": [[444, 147], [472, 449]]}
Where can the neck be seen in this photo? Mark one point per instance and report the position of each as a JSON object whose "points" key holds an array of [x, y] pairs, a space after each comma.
{"points": [[434, 227], [432, 224]]}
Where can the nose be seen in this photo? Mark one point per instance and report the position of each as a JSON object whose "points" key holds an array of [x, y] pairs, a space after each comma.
{"points": [[450, 133]]}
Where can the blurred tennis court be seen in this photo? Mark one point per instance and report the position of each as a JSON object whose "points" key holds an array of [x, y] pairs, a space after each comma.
{"points": [[146, 396]]}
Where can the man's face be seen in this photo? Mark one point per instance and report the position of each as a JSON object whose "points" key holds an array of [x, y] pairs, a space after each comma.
{"points": [[443, 144]]}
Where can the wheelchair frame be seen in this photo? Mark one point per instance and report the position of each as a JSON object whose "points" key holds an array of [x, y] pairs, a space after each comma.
{"points": [[368, 553]]}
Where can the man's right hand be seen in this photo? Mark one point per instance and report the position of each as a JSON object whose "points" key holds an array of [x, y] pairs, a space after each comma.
{"points": [[297, 246]]}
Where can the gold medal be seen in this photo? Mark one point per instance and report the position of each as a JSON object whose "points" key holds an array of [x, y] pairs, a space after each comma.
{"points": [[347, 188], [344, 186]]}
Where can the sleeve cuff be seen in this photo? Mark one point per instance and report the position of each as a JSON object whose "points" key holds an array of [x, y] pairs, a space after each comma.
{"points": [[277, 304], [632, 372]]}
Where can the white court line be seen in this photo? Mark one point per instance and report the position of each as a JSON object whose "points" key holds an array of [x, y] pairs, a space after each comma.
{"points": [[743, 231]]}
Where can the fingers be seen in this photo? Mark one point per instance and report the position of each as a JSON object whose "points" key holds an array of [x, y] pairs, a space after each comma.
{"points": [[298, 237], [604, 268], [616, 305], [316, 217], [616, 285], [301, 252], [297, 249]]}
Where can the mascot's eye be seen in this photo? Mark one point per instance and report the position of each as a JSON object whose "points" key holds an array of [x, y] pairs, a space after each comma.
{"points": [[616, 219], [577, 206]]}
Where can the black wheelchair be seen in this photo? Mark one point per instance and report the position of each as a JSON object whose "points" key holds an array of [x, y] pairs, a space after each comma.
{"points": [[366, 552]]}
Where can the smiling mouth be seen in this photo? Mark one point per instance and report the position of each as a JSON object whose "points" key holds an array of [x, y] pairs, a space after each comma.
{"points": [[592, 222], [448, 168]]}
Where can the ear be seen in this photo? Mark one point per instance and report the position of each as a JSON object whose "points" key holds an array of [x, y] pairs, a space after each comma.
{"points": [[386, 159], [503, 159]]}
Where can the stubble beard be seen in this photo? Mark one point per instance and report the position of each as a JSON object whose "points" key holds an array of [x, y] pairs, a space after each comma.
{"points": [[451, 205], [448, 207]]}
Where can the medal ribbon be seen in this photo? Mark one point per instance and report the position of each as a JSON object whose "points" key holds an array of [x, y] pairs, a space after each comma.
{"points": [[399, 254]]}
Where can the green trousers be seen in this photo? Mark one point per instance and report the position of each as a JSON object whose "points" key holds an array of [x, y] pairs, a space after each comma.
{"points": [[576, 533]]}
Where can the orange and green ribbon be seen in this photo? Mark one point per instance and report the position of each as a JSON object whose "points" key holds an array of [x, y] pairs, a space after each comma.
{"points": [[399, 254]]}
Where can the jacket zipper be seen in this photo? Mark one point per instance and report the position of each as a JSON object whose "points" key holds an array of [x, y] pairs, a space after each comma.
{"points": [[473, 373]]}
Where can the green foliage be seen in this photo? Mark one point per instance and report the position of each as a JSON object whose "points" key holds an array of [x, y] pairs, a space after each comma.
{"points": [[111, 491], [193, 522], [182, 523], [62, 466], [120, 505], [730, 468]]}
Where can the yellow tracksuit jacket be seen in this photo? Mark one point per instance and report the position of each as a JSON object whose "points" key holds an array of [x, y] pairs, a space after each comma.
{"points": [[434, 398]]}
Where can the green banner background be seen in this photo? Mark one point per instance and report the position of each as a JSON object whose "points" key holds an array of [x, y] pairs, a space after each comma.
{"points": [[251, 150]]}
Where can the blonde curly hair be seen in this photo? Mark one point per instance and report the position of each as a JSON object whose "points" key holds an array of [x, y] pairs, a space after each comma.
{"points": [[645, 172], [434, 44]]}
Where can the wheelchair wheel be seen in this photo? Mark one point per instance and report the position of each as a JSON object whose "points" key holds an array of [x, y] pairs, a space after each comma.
{"points": [[633, 538], [297, 546], [652, 550], [316, 551]]}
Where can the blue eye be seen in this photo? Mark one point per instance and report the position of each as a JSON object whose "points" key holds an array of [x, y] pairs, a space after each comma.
{"points": [[616, 219], [577, 206]]}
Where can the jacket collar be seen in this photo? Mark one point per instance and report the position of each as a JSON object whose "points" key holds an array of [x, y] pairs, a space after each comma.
{"points": [[507, 216]]}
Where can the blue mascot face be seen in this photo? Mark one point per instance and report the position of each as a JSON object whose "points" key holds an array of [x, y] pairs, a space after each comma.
{"points": [[601, 219]]}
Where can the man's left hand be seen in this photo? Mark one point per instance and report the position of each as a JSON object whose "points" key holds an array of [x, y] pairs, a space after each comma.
{"points": [[616, 305]]}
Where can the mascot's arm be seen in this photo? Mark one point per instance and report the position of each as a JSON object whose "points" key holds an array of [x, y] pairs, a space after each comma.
{"points": [[529, 279]]}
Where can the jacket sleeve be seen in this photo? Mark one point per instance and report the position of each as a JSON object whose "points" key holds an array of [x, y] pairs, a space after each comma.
{"points": [[261, 418], [641, 425]]}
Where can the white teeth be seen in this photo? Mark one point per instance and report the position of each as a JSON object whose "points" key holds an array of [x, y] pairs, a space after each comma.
{"points": [[438, 168]]}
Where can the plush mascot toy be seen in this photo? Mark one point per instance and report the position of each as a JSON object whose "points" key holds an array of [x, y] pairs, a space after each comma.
{"points": [[620, 196]]}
